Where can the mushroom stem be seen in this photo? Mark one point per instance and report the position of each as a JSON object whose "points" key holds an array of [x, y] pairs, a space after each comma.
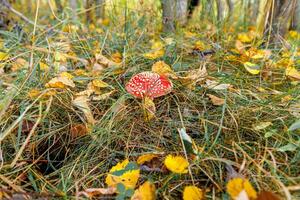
{"points": [[148, 108]]}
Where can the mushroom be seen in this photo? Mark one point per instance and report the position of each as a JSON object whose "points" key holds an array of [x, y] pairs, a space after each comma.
{"points": [[147, 86]]}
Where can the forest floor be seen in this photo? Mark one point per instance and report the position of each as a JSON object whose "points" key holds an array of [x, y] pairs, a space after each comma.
{"points": [[66, 118]]}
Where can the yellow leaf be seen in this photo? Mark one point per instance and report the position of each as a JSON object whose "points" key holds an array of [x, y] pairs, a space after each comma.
{"points": [[117, 57], [61, 82], [252, 68], [176, 164], [157, 51], [103, 96], [285, 62], [199, 45], [189, 34], [66, 74], [216, 100], [145, 192], [162, 68], [146, 158], [128, 178], [99, 83], [294, 35], [148, 108], [33, 93], [258, 53], [104, 21], [81, 102], [247, 37], [192, 193], [80, 72], [236, 185], [44, 67], [3, 56], [292, 73]]}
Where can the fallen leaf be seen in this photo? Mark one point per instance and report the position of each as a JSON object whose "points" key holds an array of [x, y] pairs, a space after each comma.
{"points": [[61, 82], [252, 68], [192, 193], [3, 56], [162, 68], [44, 67], [292, 73], [214, 85], [193, 77], [33, 93], [78, 130], [265, 195], [189, 144], [146, 158], [157, 51], [91, 192], [126, 173], [216, 100], [261, 125], [176, 164], [145, 192], [117, 57], [240, 188], [81, 102], [103, 96]]}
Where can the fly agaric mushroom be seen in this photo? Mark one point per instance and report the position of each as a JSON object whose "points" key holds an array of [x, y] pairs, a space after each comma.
{"points": [[147, 86]]}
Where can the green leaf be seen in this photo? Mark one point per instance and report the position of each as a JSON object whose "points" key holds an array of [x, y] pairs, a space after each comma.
{"points": [[129, 192], [121, 188], [129, 167], [270, 133], [187, 141], [288, 147], [295, 126]]}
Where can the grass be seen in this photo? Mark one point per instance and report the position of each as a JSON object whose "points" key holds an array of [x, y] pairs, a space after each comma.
{"points": [[55, 163]]}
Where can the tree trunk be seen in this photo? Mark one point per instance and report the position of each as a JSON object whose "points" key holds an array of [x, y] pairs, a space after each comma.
{"points": [[100, 10], [264, 14], [181, 11], [283, 16], [220, 9], [3, 16], [296, 17], [73, 5], [168, 15], [230, 9], [255, 8]]}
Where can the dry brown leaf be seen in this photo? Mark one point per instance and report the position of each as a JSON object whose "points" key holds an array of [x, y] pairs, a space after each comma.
{"points": [[60, 82], [265, 195], [193, 77], [105, 62], [81, 102], [78, 130], [91, 192], [214, 85], [216, 100]]}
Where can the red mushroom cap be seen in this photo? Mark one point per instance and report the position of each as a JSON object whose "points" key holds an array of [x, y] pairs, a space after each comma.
{"points": [[149, 84]]}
